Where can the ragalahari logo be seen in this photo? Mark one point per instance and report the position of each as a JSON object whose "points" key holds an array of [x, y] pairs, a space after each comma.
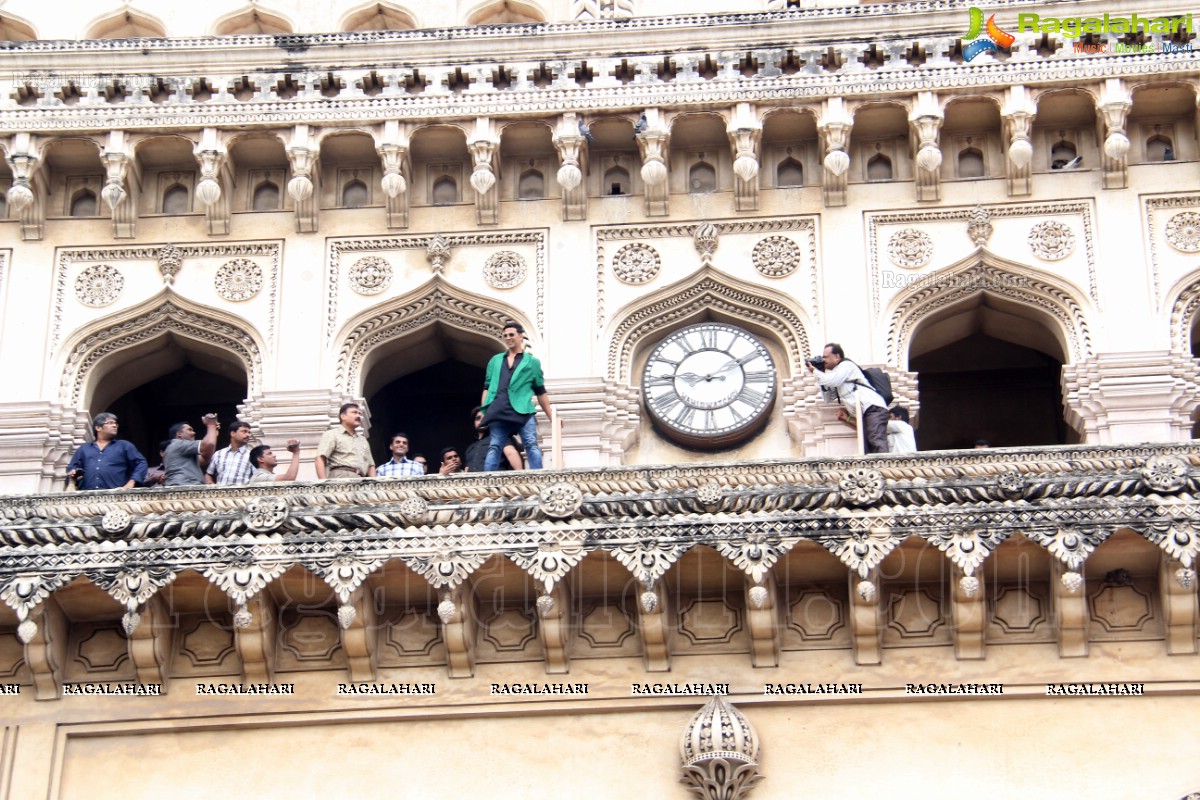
{"points": [[993, 36]]}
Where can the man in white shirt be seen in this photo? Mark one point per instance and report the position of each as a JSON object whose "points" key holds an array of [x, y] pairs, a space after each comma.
{"points": [[842, 381], [901, 438]]}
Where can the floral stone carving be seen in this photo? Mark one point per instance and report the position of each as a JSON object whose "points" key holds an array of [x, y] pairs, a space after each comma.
{"points": [[1165, 473], [560, 500], [636, 263], [910, 248], [265, 513], [504, 269], [238, 280], [116, 520], [1051, 241], [862, 487], [719, 749], [1183, 232], [370, 275], [99, 285], [776, 256]]}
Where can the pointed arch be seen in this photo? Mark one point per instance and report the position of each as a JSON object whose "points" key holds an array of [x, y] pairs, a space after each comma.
{"points": [[126, 23], [436, 302], [16, 29], [708, 289], [983, 273], [109, 342], [506, 12], [378, 15], [1184, 299], [253, 20]]}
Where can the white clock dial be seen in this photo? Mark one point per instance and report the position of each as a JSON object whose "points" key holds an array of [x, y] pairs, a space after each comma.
{"points": [[709, 385]]}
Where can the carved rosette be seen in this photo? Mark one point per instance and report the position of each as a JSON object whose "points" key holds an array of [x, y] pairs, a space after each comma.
{"points": [[1051, 241], [115, 521], [636, 263], [560, 500], [170, 260], [1165, 474], [709, 494], [265, 514], [1183, 232], [415, 509], [238, 280], [504, 269], [370, 275], [99, 285], [1011, 484], [719, 750], [910, 248], [776, 256], [862, 487], [979, 226]]}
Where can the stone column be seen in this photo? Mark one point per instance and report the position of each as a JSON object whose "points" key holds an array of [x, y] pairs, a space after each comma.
{"points": [[1116, 398], [37, 441], [277, 416], [599, 421]]}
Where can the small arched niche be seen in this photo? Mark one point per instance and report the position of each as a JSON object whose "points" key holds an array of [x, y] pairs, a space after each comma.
{"points": [[789, 173], [970, 163], [266, 197]]}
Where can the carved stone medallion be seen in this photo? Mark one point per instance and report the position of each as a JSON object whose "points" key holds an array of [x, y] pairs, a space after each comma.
{"points": [[238, 280], [1165, 473], [115, 520], [99, 285], [561, 500], [862, 487], [370, 275], [910, 248], [1051, 241], [636, 263], [1183, 232], [504, 269], [265, 513], [776, 256]]}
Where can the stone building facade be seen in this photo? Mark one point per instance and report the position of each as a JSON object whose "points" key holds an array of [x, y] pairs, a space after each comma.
{"points": [[269, 211]]}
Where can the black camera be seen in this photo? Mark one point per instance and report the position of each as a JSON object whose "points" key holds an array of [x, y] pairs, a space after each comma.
{"points": [[818, 362]]}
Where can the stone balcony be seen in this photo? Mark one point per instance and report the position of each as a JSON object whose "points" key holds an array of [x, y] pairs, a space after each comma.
{"points": [[964, 549]]}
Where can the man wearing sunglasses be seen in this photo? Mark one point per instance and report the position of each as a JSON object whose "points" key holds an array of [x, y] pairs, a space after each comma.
{"points": [[513, 380]]}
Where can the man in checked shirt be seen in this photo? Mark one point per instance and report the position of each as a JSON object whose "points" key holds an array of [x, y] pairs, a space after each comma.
{"points": [[231, 464]]}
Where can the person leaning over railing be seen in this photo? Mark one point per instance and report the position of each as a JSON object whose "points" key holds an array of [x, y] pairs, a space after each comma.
{"points": [[108, 462], [264, 463]]}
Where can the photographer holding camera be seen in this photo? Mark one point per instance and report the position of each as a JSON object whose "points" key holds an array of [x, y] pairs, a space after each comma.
{"points": [[843, 381]]}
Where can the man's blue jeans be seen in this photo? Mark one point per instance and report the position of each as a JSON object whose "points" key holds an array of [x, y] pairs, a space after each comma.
{"points": [[501, 432]]}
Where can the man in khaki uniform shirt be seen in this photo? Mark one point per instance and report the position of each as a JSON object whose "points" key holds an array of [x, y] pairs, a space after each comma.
{"points": [[342, 453]]}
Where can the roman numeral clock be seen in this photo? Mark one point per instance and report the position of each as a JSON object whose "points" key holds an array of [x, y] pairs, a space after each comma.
{"points": [[709, 386]]}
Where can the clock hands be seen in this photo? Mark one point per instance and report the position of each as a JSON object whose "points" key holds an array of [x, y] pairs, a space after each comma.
{"points": [[691, 378]]}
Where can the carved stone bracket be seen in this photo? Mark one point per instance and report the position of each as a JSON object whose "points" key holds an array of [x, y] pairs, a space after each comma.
{"points": [[757, 554], [120, 190], [150, 643], [968, 612], [967, 549], [359, 633], [459, 616], [1177, 593], [926, 120], [1115, 104], [27, 195], [304, 188], [485, 147], [654, 143], [763, 620], [392, 144], [446, 570], [554, 627], [1018, 113], [46, 649], [834, 126], [212, 190], [862, 552], [649, 560], [572, 153], [549, 564], [255, 627], [745, 134], [654, 626], [866, 618], [1068, 604]]}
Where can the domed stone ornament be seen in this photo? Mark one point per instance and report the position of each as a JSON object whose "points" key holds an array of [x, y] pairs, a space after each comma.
{"points": [[719, 750], [560, 500], [265, 514], [238, 280], [862, 487], [446, 610], [776, 256], [504, 269], [636, 263], [1072, 581], [1183, 232], [1051, 241], [370, 275], [969, 585], [910, 248], [865, 590], [1165, 474], [99, 285], [116, 520]]}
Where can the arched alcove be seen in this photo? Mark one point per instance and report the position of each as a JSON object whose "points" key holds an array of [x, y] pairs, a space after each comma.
{"points": [[531, 185], [419, 362], [879, 168], [176, 200], [252, 20], [616, 181], [83, 203], [790, 172], [128, 23], [970, 163], [15, 29], [702, 179], [355, 194], [266, 197], [505, 12], [378, 16]]}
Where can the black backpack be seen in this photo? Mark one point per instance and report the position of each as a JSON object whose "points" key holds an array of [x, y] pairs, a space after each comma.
{"points": [[879, 381]]}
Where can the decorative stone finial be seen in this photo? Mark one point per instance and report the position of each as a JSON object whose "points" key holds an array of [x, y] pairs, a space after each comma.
{"points": [[719, 749]]}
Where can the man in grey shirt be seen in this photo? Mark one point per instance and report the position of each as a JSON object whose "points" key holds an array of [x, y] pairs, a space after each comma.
{"points": [[185, 458]]}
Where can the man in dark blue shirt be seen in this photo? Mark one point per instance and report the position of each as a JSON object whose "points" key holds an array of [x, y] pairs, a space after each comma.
{"points": [[108, 462]]}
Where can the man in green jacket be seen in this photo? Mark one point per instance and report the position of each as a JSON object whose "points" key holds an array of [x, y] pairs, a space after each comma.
{"points": [[513, 379]]}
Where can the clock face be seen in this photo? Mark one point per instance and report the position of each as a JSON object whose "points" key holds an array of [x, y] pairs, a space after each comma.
{"points": [[709, 385]]}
